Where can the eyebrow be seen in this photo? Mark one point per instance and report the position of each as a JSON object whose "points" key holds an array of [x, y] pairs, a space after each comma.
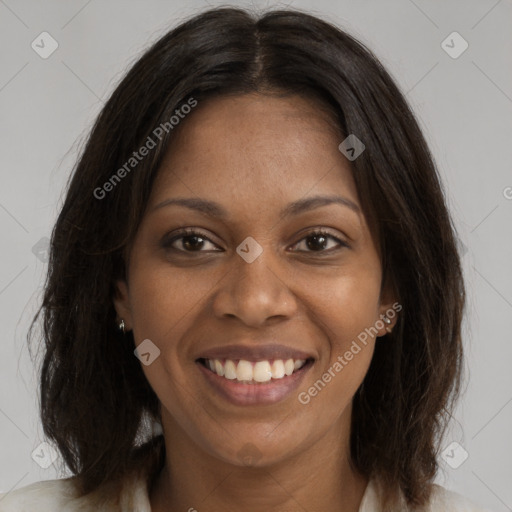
{"points": [[213, 209]]}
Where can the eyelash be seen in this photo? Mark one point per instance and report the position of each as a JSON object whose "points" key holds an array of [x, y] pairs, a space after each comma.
{"points": [[189, 232]]}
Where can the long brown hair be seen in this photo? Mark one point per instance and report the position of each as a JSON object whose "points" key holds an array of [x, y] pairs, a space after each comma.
{"points": [[94, 395]]}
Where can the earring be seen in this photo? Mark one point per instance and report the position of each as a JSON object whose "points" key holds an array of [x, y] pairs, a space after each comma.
{"points": [[388, 322], [121, 325]]}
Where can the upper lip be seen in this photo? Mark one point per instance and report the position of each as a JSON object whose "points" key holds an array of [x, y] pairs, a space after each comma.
{"points": [[254, 353]]}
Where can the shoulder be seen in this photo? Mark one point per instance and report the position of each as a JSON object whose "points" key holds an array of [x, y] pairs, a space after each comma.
{"points": [[45, 496], [441, 500], [62, 496], [444, 500]]}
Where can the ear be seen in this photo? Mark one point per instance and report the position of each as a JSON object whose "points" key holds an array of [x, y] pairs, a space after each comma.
{"points": [[389, 309], [122, 305]]}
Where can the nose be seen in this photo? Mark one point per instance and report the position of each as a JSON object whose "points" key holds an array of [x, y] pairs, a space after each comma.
{"points": [[254, 293]]}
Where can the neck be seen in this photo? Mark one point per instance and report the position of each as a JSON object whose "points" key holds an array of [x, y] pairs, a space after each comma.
{"points": [[319, 478]]}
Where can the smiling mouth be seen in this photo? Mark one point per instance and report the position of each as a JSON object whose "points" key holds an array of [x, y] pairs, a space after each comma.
{"points": [[254, 372]]}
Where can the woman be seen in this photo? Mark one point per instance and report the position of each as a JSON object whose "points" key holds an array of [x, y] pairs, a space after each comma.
{"points": [[254, 253]]}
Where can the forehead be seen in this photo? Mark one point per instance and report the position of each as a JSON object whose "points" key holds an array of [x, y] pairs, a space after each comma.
{"points": [[255, 148], [252, 119]]}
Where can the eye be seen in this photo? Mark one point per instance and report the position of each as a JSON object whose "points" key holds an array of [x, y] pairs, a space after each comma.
{"points": [[190, 240], [318, 241]]}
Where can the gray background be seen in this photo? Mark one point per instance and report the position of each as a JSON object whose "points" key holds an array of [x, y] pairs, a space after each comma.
{"points": [[464, 105]]}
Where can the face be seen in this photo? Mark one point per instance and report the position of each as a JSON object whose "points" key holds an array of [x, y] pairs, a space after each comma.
{"points": [[269, 277]]}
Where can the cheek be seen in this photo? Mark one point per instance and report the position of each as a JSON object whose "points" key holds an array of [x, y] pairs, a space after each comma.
{"points": [[160, 303], [165, 305], [163, 308], [163, 298], [348, 309], [350, 304]]}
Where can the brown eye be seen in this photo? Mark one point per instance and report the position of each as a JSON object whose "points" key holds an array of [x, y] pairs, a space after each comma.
{"points": [[188, 241], [192, 242], [320, 241]]}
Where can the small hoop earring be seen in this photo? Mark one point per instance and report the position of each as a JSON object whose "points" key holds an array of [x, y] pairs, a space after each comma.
{"points": [[121, 325]]}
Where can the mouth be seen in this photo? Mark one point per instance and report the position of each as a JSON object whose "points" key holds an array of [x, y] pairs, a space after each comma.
{"points": [[254, 372], [257, 382]]}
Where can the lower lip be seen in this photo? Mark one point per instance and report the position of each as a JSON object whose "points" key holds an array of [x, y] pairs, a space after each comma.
{"points": [[259, 393]]}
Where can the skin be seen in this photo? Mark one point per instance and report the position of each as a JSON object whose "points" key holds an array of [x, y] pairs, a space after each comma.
{"points": [[254, 155]]}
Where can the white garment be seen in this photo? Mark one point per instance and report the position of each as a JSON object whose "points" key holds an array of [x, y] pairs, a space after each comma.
{"points": [[57, 496]]}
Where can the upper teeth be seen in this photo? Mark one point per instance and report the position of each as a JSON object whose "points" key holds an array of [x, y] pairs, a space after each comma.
{"points": [[260, 371]]}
